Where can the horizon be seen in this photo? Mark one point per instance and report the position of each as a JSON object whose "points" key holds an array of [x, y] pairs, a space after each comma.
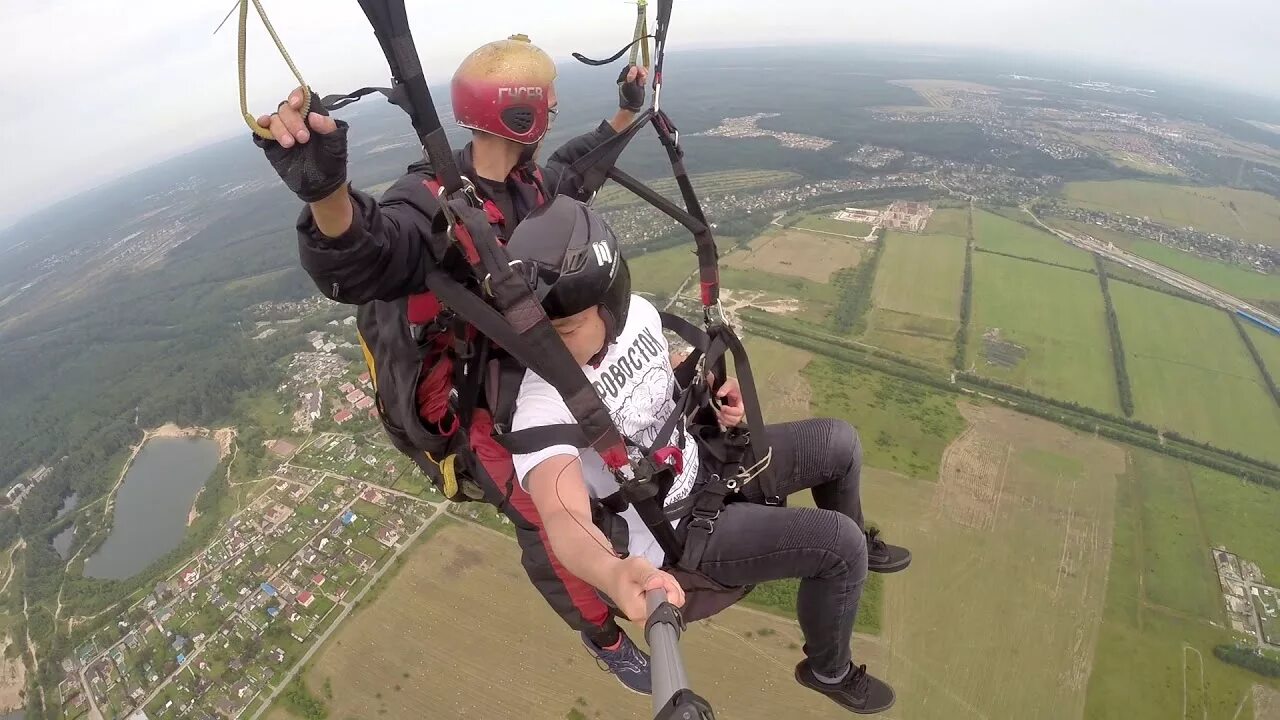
{"points": [[1096, 70]]}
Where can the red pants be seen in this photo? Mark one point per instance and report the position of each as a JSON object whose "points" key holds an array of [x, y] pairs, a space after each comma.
{"points": [[572, 598]]}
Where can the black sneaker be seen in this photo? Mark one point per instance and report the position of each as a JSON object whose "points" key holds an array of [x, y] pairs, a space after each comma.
{"points": [[883, 557], [859, 692]]}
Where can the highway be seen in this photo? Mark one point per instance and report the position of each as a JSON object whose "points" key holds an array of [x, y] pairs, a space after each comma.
{"points": [[1166, 275]]}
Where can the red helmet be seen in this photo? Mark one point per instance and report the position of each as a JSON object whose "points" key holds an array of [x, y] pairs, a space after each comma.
{"points": [[504, 88]]}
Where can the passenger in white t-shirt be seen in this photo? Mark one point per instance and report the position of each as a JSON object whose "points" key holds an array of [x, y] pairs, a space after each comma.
{"points": [[573, 262]]}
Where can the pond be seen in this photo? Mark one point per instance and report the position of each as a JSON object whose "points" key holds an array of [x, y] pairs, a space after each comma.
{"points": [[152, 505]]}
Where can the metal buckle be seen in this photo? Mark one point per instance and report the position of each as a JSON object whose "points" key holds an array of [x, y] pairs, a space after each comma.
{"points": [[704, 523]]}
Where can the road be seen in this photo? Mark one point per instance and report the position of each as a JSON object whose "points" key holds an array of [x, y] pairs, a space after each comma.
{"points": [[347, 607], [1160, 272]]}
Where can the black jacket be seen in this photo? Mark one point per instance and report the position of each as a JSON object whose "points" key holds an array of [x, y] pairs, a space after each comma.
{"points": [[382, 260], [383, 255]]}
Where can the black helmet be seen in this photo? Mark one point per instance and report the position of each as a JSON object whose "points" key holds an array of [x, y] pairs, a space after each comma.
{"points": [[571, 258]]}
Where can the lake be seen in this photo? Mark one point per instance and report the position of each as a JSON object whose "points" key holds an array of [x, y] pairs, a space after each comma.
{"points": [[152, 504]]}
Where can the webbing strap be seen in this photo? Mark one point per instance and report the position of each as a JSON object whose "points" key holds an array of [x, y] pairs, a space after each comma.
{"points": [[547, 356], [391, 27]]}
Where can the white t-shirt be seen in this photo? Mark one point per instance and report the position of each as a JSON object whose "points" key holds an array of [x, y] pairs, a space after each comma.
{"points": [[635, 380]]}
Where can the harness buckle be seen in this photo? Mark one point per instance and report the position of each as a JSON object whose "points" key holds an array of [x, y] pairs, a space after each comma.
{"points": [[704, 521]]}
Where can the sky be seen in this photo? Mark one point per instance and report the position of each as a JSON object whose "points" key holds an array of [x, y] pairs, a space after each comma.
{"points": [[95, 89]]}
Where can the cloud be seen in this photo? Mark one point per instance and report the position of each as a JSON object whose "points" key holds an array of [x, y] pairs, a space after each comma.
{"points": [[96, 89]]}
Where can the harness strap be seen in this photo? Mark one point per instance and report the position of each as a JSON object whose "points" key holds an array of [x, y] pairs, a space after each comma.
{"points": [[709, 501], [530, 338]]}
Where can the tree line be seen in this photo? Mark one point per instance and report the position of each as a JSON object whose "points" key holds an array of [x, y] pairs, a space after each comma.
{"points": [[1257, 358], [1249, 658], [966, 301], [855, 284], [1117, 344]]}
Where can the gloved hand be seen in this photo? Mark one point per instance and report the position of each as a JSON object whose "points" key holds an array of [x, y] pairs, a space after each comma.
{"points": [[310, 156], [631, 88]]}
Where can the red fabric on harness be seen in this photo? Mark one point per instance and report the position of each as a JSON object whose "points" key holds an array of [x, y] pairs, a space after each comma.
{"points": [[423, 308], [707, 289], [433, 393], [497, 462]]}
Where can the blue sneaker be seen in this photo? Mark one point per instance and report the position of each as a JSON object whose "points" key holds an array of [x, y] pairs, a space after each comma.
{"points": [[628, 663]]}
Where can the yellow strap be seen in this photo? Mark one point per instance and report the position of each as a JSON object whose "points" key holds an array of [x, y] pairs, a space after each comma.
{"points": [[249, 119], [641, 49], [369, 362], [448, 476]]}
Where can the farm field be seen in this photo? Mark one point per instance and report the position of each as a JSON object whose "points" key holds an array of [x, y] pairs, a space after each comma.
{"points": [[1238, 281], [1000, 234], [1243, 214], [784, 391], [1191, 373], [460, 632], [949, 221], [904, 426], [996, 618], [814, 300], [916, 296], [613, 195], [797, 253], [660, 273], [1268, 345], [1055, 316], [1146, 650]]}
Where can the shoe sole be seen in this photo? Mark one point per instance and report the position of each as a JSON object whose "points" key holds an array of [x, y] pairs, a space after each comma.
{"points": [[857, 711], [887, 569]]}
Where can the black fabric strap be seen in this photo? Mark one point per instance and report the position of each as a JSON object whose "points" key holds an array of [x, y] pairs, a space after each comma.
{"points": [[709, 501], [596, 63], [531, 440], [391, 27], [651, 196], [759, 439], [337, 102]]}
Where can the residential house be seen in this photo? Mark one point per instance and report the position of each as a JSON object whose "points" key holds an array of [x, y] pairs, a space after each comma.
{"points": [[305, 599], [342, 416], [387, 536]]}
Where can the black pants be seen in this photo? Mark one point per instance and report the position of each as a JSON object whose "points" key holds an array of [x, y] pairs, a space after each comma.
{"points": [[824, 546]]}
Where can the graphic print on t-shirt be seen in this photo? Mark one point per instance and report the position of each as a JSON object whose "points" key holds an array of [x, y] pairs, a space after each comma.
{"points": [[636, 381]]}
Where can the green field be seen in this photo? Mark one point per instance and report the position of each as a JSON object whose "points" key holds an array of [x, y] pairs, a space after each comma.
{"points": [[1237, 280], [1057, 316], [784, 391], [1268, 344], [1243, 214], [1177, 570], [1141, 663], [661, 273], [916, 296], [949, 221], [1191, 373], [1240, 516], [613, 195], [997, 615], [904, 426], [1000, 234]]}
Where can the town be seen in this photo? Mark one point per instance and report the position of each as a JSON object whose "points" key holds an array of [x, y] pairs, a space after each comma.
{"points": [[224, 634], [220, 637]]}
